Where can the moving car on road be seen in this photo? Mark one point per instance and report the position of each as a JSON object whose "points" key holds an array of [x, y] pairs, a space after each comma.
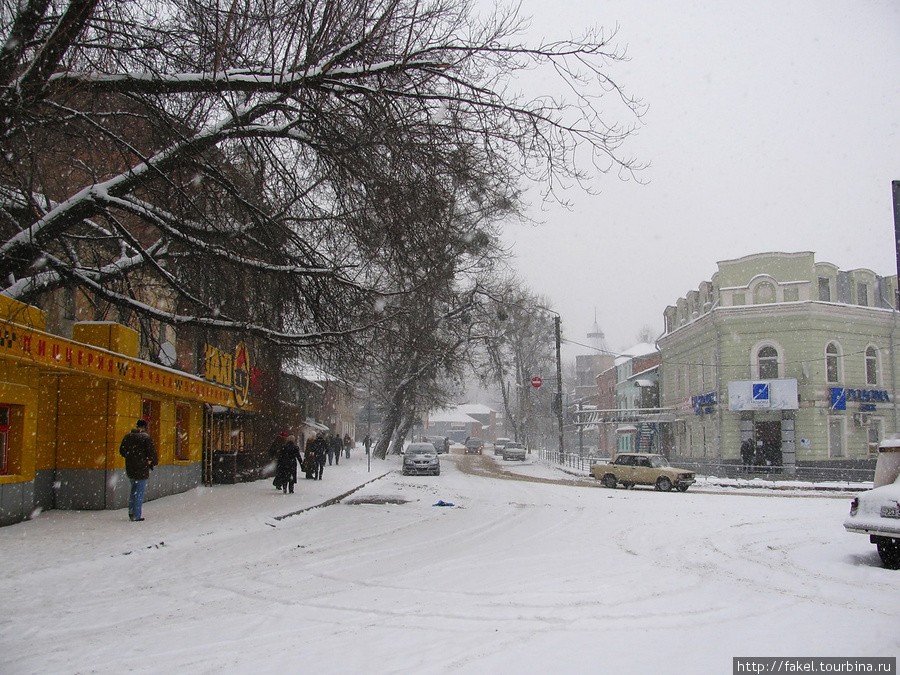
{"points": [[638, 468], [876, 512], [441, 443], [514, 451], [421, 458], [474, 446]]}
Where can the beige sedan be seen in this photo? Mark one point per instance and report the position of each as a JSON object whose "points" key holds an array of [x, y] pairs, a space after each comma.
{"points": [[636, 468]]}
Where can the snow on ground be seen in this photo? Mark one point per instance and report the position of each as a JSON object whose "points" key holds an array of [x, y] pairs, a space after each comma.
{"points": [[516, 577]]}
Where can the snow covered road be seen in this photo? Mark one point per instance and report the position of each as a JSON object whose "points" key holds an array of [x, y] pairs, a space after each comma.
{"points": [[517, 577]]}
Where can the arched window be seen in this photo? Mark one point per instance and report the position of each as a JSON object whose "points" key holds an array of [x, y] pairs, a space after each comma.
{"points": [[871, 365], [767, 360], [832, 369]]}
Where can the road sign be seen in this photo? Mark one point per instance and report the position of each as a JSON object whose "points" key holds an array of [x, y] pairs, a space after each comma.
{"points": [[536, 382]]}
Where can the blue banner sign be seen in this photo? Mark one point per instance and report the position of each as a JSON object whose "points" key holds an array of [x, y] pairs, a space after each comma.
{"points": [[840, 396], [704, 401]]}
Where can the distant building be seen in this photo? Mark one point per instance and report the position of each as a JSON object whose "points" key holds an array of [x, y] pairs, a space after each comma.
{"points": [[795, 355], [589, 366], [454, 423]]}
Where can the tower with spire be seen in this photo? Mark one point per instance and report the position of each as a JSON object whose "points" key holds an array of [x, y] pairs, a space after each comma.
{"points": [[588, 366]]}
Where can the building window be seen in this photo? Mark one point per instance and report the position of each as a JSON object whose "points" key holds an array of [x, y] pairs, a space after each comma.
{"points": [[4, 440], [182, 447], [875, 434], [824, 289], [862, 294], [832, 369], [764, 293], [836, 437], [767, 363], [12, 422], [871, 365]]}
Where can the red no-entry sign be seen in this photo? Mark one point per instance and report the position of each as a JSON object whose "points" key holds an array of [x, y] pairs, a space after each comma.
{"points": [[536, 382]]}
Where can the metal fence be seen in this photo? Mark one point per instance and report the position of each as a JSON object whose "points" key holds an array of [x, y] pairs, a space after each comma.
{"points": [[718, 469]]}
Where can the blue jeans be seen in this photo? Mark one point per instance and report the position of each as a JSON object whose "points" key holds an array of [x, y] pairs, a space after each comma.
{"points": [[136, 498]]}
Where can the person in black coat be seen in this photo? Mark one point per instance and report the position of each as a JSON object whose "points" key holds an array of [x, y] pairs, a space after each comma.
{"points": [[747, 454], [320, 446], [310, 463], [286, 470], [140, 458], [337, 445]]}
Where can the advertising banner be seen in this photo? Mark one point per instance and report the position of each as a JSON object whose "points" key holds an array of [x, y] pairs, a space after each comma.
{"points": [[763, 395]]}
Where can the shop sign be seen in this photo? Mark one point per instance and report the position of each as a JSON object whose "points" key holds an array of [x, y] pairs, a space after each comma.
{"points": [[50, 351], [241, 374], [763, 395], [840, 396], [704, 403]]}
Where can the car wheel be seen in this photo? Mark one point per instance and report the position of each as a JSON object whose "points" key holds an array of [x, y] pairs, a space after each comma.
{"points": [[663, 484], [682, 488], [437, 473], [609, 481], [889, 550]]}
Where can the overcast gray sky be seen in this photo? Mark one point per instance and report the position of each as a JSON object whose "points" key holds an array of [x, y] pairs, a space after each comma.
{"points": [[772, 125]]}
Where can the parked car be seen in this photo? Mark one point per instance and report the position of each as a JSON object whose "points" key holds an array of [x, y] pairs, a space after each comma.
{"points": [[876, 512], [474, 446], [441, 443], [499, 443], [419, 458], [513, 451], [637, 468]]}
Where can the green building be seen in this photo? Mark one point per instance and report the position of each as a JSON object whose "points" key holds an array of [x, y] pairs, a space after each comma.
{"points": [[793, 355]]}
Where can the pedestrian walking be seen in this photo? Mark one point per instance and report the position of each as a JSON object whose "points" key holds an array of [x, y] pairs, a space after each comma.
{"points": [[277, 443], [348, 443], [337, 446], [310, 463], [367, 442], [747, 454], [286, 471], [320, 446], [140, 457]]}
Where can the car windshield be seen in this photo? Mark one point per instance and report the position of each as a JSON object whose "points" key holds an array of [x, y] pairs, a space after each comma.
{"points": [[420, 450], [659, 462]]}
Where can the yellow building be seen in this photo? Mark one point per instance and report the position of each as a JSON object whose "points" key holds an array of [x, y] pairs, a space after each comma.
{"points": [[66, 404]]}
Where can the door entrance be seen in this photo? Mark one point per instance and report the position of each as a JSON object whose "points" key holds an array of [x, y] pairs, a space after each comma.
{"points": [[768, 445]]}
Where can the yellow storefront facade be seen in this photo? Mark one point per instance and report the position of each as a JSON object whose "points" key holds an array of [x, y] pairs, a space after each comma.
{"points": [[66, 404]]}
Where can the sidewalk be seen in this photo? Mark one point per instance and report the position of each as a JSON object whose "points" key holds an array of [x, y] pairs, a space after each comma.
{"points": [[214, 512]]}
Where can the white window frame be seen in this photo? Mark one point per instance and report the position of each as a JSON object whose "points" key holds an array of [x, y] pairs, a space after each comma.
{"points": [[877, 359], [838, 424], [839, 362], [754, 359]]}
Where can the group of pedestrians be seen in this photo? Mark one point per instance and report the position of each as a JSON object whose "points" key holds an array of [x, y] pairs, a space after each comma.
{"points": [[140, 457], [319, 449]]}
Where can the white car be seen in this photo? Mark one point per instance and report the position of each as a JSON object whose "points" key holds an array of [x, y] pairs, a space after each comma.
{"points": [[877, 512], [513, 451]]}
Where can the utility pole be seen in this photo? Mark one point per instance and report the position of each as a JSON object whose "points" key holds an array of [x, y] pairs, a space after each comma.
{"points": [[559, 391], [895, 185]]}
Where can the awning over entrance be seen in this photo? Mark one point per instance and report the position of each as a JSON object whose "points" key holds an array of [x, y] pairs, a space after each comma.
{"points": [[627, 429], [312, 424]]}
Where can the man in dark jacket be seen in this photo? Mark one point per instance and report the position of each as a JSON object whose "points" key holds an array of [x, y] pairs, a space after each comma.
{"points": [[140, 458]]}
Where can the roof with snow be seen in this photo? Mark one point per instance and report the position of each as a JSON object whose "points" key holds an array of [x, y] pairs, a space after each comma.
{"points": [[640, 349], [451, 415]]}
